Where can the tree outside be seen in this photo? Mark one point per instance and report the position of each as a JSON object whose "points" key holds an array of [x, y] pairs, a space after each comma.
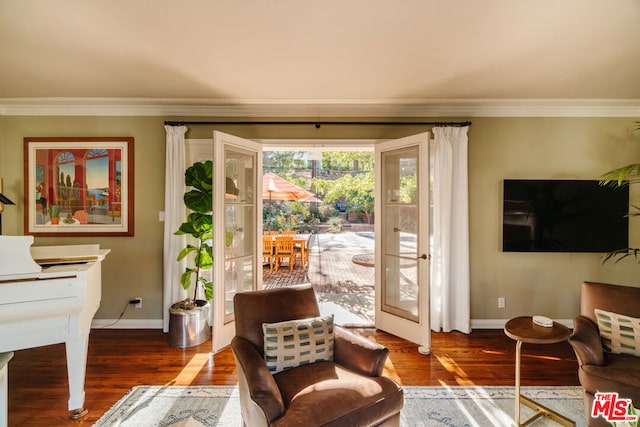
{"points": [[343, 183]]}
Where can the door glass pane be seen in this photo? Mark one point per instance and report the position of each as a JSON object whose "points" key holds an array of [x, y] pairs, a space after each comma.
{"points": [[400, 290], [240, 233]]}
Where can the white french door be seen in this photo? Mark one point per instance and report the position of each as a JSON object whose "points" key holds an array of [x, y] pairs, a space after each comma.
{"points": [[402, 239], [237, 222]]}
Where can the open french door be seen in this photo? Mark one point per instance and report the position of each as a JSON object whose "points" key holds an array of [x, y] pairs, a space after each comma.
{"points": [[237, 222], [402, 239]]}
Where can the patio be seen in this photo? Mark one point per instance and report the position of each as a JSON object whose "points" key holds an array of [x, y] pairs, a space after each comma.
{"points": [[342, 286]]}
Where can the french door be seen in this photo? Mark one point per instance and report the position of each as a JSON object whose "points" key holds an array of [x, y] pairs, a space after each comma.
{"points": [[401, 228], [237, 222], [402, 239]]}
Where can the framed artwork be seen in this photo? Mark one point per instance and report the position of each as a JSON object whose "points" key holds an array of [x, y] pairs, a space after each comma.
{"points": [[78, 186]]}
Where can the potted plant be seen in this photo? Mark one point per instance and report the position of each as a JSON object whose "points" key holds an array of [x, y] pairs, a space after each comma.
{"points": [[189, 318], [54, 213], [626, 175]]}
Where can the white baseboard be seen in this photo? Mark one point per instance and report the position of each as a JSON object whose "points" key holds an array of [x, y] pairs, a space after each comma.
{"points": [[499, 323], [157, 323], [126, 324]]}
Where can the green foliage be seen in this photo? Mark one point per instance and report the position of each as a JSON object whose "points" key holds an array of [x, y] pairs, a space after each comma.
{"points": [[327, 211], [299, 209], [54, 211], [352, 161], [620, 177], [409, 189], [358, 191], [283, 162], [199, 225], [335, 224]]}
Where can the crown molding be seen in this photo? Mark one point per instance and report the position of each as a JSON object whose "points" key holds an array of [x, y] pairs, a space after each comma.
{"points": [[171, 107]]}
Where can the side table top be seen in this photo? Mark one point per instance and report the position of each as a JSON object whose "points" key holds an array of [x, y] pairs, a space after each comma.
{"points": [[523, 329]]}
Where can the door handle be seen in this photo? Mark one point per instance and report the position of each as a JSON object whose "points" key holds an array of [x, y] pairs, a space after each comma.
{"points": [[424, 256]]}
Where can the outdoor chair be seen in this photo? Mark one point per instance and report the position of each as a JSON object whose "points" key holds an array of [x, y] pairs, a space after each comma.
{"points": [[267, 251], [302, 252], [345, 389], [284, 250]]}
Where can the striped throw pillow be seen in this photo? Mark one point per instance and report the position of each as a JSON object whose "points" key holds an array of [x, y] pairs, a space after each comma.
{"points": [[619, 333], [297, 342]]}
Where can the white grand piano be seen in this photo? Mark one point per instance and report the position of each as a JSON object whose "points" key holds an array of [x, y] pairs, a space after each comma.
{"points": [[49, 295]]}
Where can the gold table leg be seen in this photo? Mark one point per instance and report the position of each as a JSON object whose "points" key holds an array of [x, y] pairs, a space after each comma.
{"points": [[540, 410]]}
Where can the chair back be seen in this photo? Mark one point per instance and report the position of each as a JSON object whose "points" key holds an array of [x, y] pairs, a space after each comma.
{"points": [[288, 233], [252, 309], [267, 245], [614, 298], [284, 245]]}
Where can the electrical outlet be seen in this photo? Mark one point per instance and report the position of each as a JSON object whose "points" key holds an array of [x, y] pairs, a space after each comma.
{"points": [[138, 304], [501, 302]]}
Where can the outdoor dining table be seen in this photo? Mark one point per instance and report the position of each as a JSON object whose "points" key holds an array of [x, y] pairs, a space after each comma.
{"points": [[299, 240]]}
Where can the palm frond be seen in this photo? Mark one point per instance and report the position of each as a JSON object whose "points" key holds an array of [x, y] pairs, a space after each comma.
{"points": [[620, 254], [621, 176]]}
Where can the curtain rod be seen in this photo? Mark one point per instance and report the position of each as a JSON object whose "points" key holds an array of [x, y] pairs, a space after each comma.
{"points": [[317, 124]]}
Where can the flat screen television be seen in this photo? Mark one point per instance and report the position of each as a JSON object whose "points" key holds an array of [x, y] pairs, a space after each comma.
{"points": [[542, 215]]}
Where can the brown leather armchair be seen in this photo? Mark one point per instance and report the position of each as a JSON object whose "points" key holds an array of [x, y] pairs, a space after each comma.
{"points": [[346, 391], [600, 371]]}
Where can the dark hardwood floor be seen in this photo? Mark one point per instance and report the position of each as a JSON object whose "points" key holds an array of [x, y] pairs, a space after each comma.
{"points": [[121, 359]]}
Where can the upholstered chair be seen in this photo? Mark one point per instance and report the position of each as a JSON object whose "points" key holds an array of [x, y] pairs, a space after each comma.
{"points": [[600, 370], [348, 389]]}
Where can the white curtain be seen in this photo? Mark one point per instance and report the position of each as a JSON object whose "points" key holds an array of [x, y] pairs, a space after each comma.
{"points": [[174, 215], [450, 253]]}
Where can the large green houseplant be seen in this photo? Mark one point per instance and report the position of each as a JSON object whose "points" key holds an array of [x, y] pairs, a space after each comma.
{"points": [[189, 319], [198, 224]]}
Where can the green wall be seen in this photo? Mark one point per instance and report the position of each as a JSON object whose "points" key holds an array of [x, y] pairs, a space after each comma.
{"points": [[547, 284]]}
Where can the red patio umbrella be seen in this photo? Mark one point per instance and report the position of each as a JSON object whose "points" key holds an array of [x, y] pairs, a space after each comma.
{"points": [[275, 187]]}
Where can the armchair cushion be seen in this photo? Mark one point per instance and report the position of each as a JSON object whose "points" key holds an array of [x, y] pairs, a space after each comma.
{"points": [[327, 394], [293, 343], [620, 334]]}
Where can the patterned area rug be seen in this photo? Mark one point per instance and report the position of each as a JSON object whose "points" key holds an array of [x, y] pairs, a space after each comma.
{"points": [[209, 406]]}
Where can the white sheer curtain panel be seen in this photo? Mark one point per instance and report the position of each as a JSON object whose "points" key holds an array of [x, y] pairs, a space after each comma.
{"points": [[450, 306], [174, 215]]}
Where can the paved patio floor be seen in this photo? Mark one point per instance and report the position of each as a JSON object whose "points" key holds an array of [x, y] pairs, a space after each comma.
{"points": [[342, 286]]}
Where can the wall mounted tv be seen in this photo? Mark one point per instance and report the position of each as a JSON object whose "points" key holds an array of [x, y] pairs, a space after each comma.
{"points": [[564, 216]]}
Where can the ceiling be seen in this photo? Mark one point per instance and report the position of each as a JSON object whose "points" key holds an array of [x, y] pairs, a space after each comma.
{"points": [[320, 53]]}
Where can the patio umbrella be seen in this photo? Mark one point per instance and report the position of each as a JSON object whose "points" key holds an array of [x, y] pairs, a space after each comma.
{"points": [[275, 187]]}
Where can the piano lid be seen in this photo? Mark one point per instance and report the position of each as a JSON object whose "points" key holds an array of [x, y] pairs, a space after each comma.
{"points": [[15, 256], [66, 254], [18, 257]]}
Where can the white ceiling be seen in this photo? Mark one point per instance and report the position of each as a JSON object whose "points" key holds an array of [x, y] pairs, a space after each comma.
{"points": [[332, 52]]}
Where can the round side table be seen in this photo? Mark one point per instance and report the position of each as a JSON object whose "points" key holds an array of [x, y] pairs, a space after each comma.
{"points": [[522, 329]]}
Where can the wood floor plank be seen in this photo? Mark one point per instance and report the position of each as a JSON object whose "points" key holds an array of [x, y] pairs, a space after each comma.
{"points": [[121, 359]]}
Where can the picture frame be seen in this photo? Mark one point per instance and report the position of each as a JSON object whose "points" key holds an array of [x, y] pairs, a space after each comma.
{"points": [[86, 183]]}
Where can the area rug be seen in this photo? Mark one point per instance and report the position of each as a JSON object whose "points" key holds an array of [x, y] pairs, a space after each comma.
{"points": [[210, 406]]}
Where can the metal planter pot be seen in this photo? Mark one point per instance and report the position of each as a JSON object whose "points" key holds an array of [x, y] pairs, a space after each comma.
{"points": [[188, 328]]}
